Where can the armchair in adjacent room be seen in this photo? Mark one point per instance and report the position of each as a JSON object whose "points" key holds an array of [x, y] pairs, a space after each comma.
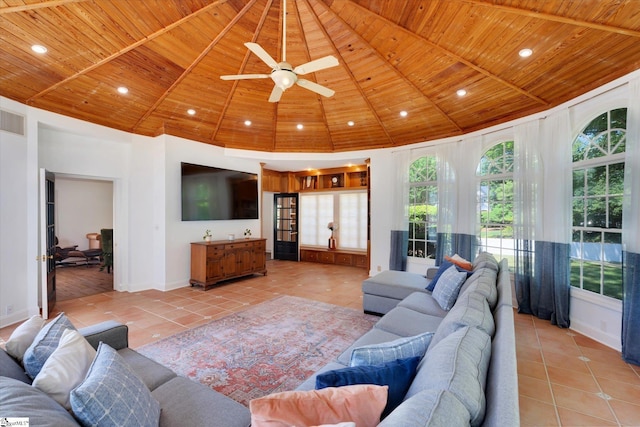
{"points": [[106, 238]]}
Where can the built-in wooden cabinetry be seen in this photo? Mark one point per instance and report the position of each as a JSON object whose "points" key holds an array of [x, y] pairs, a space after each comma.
{"points": [[213, 262], [334, 179], [326, 256], [323, 180]]}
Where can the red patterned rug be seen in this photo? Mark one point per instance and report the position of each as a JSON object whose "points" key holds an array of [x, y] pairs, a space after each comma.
{"points": [[270, 347]]}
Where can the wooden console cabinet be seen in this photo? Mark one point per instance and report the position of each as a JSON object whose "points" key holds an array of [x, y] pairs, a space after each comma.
{"points": [[213, 262]]}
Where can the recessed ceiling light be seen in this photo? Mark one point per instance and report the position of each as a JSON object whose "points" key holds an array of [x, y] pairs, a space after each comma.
{"points": [[525, 53], [350, 123], [461, 92], [247, 122], [191, 111], [37, 48], [123, 90], [403, 113], [299, 126]]}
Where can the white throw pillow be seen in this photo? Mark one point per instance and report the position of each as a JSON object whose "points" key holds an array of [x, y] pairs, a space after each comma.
{"points": [[66, 367], [23, 336]]}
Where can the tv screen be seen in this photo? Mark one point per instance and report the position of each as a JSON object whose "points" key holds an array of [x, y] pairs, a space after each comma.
{"points": [[210, 193]]}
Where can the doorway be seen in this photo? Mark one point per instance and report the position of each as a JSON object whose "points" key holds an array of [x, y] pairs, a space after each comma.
{"points": [[84, 206]]}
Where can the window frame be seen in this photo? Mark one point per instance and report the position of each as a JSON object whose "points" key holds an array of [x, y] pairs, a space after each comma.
{"points": [[498, 170], [417, 239], [579, 260]]}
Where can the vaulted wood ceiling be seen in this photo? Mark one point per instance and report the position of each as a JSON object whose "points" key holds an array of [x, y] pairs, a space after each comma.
{"points": [[393, 56]]}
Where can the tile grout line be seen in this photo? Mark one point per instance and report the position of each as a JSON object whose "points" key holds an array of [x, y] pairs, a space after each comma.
{"points": [[546, 372], [601, 394]]}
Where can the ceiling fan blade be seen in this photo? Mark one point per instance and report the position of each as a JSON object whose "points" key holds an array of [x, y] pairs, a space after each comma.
{"points": [[262, 54], [316, 65], [315, 87], [276, 93], [245, 76]]}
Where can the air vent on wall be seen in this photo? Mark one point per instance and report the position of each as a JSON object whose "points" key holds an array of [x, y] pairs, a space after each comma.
{"points": [[11, 122]]}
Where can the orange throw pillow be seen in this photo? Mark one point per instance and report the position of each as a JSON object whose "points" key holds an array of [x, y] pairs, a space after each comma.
{"points": [[362, 404], [459, 261]]}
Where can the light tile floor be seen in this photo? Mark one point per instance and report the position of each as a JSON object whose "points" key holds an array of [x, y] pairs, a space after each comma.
{"points": [[565, 379]]}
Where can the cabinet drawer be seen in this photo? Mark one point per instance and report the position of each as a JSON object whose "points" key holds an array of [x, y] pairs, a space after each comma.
{"points": [[344, 259], [309, 256], [327, 257], [360, 261]]}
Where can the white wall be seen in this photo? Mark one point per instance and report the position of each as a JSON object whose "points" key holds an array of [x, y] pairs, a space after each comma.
{"points": [[82, 206], [14, 225]]}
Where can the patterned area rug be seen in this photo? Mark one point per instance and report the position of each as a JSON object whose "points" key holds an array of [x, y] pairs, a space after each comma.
{"points": [[270, 347]]}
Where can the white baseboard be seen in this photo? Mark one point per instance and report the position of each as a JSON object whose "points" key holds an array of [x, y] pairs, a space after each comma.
{"points": [[609, 340]]}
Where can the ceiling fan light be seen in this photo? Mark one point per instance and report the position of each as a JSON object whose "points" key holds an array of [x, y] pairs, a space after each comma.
{"points": [[284, 79]]}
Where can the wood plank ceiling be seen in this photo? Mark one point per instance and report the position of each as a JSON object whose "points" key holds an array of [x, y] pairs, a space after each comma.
{"points": [[393, 56]]}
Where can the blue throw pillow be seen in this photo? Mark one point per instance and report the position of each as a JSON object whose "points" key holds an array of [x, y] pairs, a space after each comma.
{"points": [[397, 374], [441, 269], [446, 292], [44, 344], [113, 395]]}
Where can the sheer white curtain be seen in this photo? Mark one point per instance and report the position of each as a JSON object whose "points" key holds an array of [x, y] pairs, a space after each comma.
{"points": [[631, 231], [457, 198], [399, 238], [542, 217], [447, 200]]}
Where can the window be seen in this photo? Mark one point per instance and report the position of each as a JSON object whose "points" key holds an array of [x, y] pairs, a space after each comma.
{"points": [[423, 208], [352, 226], [316, 212], [495, 201], [598, 179], [347, 210]]}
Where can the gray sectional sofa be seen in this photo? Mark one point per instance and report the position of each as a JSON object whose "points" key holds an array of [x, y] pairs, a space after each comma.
{"points": [[468, 375], [183, 402]]}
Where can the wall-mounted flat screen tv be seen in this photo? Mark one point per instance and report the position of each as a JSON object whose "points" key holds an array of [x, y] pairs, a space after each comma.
{"points": [[210, 193]]}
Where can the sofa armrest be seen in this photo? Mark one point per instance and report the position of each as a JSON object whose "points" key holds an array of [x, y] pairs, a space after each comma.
{"points": [[113, 333], [431, 272]]}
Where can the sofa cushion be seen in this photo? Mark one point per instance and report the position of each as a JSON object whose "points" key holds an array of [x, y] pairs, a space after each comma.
{"points": [[396, 374], [485, 259], [361, 404], [459, 365], [406, 322], [22, 400], [44, 344], [22, 337], [429, 408], [448, 287], [402, 348], [395, 284], [187, 403], [10, 368], [66, 367], [112, 394], [472, 310], [423, 303], [149, 371], [484, 282], [372, 336]]}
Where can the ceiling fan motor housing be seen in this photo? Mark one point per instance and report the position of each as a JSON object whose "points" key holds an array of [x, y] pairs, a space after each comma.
{"points": [[284, 77]]}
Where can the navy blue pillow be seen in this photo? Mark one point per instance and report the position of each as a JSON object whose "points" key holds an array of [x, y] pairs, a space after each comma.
{"points": [[397, 374], [441, 269]]}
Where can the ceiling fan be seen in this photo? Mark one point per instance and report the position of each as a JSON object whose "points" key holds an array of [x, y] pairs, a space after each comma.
{"points": [[283, 74]]}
